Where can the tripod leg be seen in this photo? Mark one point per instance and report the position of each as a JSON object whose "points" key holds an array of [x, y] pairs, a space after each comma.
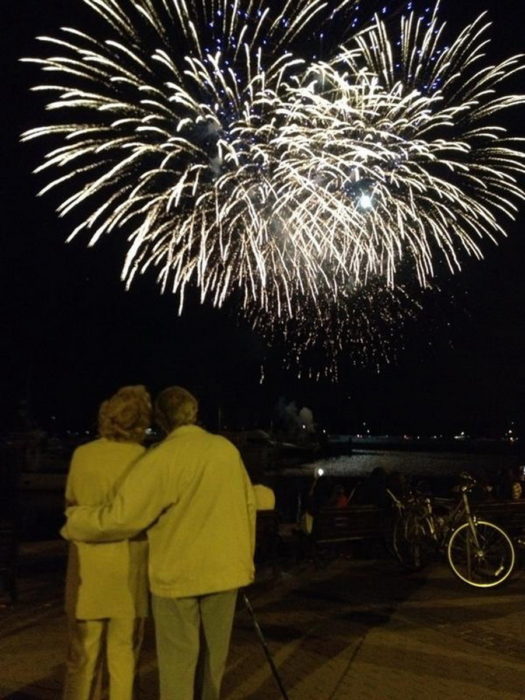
{"points": [[264, 646]]}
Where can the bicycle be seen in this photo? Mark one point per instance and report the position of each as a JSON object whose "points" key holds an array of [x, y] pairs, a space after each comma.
{"points": [[479, 552]]}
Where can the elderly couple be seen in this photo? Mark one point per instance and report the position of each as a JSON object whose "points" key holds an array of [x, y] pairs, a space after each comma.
{"points": [[182, 515]]}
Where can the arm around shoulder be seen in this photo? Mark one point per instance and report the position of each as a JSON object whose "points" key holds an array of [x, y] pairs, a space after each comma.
{"points": [[140, 500]]}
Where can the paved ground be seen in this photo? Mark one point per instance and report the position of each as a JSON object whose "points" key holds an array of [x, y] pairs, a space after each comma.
{"points": [[359, 628]]}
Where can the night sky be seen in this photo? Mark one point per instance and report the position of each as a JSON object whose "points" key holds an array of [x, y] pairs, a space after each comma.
{"points": [[71, 334]]}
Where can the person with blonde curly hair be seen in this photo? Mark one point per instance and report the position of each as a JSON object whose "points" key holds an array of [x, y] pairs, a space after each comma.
{"points": [[106, 583]]}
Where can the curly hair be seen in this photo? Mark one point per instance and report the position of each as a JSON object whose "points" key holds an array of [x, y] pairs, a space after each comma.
{"points": [[175, 406], [125, 416]]}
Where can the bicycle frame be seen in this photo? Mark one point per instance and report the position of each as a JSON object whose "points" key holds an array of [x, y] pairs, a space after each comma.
{"points": [[479, 552], [460, 514], [439, 530]]}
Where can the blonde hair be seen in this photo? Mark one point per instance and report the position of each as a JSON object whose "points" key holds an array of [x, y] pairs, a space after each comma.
{"points": [[126, 416], [175, 406]]}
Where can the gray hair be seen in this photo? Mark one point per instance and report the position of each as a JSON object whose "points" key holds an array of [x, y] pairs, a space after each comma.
{"points": [[175, 406]]}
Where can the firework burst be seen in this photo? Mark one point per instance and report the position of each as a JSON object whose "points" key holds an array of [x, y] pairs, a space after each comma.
{"points": [[175, 113], [402, 129], [244, 153]]}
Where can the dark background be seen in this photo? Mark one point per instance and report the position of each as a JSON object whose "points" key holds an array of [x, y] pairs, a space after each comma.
{"points": [[71, 334]]}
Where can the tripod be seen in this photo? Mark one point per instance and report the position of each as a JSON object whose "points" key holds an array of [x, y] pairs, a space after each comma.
{"points": [[264, 646]]}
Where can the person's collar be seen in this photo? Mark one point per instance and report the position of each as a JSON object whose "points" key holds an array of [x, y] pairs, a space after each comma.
{"points": [[182, 430]]}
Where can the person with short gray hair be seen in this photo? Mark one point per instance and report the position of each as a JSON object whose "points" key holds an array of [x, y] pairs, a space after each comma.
{"points": [[174, 407], [194, 497]]}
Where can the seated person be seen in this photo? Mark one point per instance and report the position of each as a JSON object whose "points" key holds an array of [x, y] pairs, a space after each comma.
{"points": [[508, 485], [339, 497], [317, 496], [322, 494]]}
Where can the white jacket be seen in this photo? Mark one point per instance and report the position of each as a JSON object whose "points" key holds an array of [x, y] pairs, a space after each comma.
{"points": [[107, 579], [194, 497]]}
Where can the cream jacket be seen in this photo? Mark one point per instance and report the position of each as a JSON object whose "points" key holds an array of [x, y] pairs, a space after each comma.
{"points": [[264, 497], [194, 497], [107, 579]]}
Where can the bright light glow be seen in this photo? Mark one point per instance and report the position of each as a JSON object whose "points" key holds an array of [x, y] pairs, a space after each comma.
{"points": [[365, 201]]}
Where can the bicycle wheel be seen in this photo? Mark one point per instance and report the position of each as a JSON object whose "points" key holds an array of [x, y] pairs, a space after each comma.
{"points": [[483, 563], [410, 542]]}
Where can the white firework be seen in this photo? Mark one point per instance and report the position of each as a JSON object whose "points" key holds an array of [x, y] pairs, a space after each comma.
{"points": [[175, 109], [367, 325], [404, 130], [236, 159]]}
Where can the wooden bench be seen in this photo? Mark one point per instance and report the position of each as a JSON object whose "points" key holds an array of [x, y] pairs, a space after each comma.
{"points": [[510, 515], [361, 522], [332, 526]]}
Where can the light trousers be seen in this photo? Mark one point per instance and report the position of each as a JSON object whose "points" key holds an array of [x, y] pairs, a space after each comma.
{"points": [[121, 639], [193, 638]]}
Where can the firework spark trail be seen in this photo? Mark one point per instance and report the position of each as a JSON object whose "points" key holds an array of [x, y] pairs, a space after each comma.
{"points": [[413, 137], [179, 140], [239, 159], [366, 323]]}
